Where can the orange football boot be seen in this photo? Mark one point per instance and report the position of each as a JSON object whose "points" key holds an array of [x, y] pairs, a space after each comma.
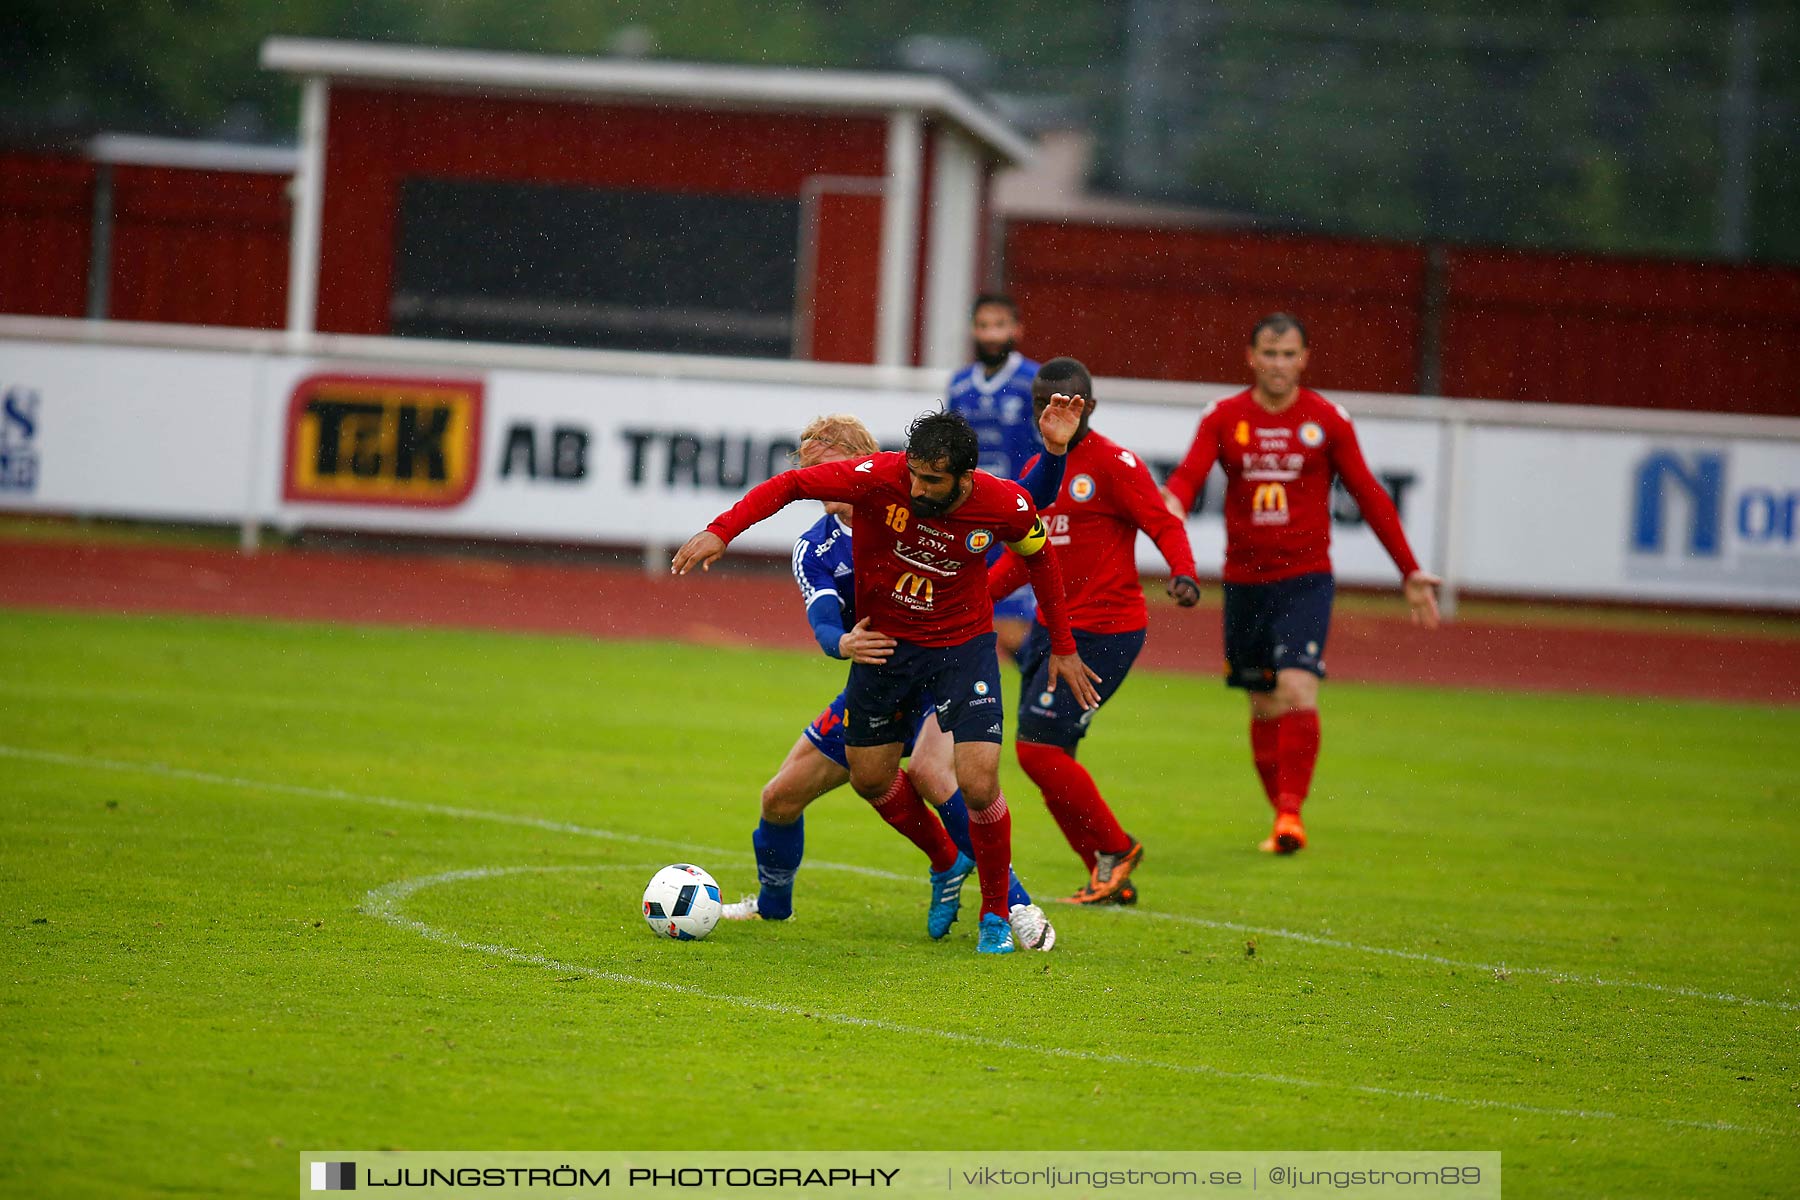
{"points": [[1111, 875], [1289, 835]]}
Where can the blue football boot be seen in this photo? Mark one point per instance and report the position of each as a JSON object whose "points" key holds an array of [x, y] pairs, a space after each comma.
{"points": [[946, 895], [996, 935]]}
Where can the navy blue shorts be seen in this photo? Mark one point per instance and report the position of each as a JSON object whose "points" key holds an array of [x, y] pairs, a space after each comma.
{"points": [[1279, 626], [826, 732], [1057, 718], [965, 679]]}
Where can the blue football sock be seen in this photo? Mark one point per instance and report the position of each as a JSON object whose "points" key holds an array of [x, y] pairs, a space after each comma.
{"points": [[778, 852], [1015, 891], [954, 812], [955, 815]]}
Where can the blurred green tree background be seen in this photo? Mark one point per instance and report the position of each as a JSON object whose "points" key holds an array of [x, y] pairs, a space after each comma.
{"points": [[1619, 126]]}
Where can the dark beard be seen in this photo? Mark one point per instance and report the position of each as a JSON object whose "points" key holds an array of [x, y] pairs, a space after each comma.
{"points": [[997, 357], [922, 507]]}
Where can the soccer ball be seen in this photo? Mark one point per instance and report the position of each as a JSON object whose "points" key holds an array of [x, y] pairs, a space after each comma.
{"points": [[682, 902]]}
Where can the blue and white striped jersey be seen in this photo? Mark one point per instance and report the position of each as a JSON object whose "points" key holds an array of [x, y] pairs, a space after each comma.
{"points": [[825, 572]]}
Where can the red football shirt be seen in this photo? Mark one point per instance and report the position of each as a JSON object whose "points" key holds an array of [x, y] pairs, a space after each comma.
{"points": [[1278, 471], [1107, 496], [919, 579]]}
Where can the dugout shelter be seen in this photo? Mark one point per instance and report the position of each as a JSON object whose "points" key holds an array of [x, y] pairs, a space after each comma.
{"points": [[763, 212]]}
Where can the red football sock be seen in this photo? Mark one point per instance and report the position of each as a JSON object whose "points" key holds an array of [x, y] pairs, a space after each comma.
{"points": [[1265, 751], [903, 809], [1073, 800], [990, 831], [1299, 751]]}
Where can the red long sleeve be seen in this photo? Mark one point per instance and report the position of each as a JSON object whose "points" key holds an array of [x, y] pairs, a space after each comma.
{"points": [[1186, 481], [1006, 575], [827, 481], [1376, 505], [1146, 510], [1046, 581]]}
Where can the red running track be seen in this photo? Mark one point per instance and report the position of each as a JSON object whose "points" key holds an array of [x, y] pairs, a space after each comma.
{"points": [[754, 608]]}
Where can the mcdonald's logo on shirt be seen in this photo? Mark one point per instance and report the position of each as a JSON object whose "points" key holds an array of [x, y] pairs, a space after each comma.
{"points": [[914, 591], [1269, 504]]}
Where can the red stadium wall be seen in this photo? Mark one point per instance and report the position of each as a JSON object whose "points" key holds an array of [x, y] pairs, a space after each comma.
{"points": [[377, 139], [199, 247], [1175, 304], [1634, 334], [210, 247], [46, 225]]}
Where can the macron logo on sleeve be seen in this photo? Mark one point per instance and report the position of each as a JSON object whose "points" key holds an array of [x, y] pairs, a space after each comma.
{"points": [[867, 465]]}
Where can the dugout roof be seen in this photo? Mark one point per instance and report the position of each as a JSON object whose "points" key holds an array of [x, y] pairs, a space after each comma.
{"points": [[785, 89]]}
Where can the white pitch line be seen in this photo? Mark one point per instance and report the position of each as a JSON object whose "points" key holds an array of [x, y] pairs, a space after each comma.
{"points": [[384, 903], [163, 771], [1439, 960]]}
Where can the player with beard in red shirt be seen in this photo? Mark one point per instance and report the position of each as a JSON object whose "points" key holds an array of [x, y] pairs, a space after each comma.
{"points": [[1280, 445], [922, 522], [1107, 496]]}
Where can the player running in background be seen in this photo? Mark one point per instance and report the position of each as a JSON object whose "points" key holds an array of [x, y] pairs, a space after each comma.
{"points": [[817, 764], [1107, 496], [922, 522], [994, 393], [1280, 445]]}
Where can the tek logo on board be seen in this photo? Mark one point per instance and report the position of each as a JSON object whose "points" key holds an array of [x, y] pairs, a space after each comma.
{"points": [[1720, 512], [372, 440], [19, 440]]}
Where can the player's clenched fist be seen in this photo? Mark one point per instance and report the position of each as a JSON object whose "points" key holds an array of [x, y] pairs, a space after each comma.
{"points": [[702, 550], [1184, 590]]}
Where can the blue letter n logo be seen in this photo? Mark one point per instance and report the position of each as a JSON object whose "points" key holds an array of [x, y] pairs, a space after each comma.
{"points": [[1702, 477]]}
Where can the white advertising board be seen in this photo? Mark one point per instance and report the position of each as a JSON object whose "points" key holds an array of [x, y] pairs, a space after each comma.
{"points": [[103, 430], [635, 459], [614, 459], [613, 456], [1631, 516]]}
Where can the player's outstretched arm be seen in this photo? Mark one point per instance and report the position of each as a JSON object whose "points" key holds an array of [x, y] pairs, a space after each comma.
{"points": [[702, 550], [1421, 598], [842, 480]]}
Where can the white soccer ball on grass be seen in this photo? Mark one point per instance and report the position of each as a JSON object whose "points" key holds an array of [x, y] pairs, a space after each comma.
{"points": [[682, 902]]}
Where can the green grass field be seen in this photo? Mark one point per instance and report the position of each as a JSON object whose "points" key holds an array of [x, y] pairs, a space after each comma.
{"points": [[274, 887]]}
